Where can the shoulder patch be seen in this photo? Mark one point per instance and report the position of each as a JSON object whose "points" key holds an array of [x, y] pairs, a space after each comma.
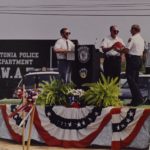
{"points": [[129, 40], [102, 40]]}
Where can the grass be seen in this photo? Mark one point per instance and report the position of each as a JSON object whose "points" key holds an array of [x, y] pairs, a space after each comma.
{"points": [[10, 101], [18, 102]]}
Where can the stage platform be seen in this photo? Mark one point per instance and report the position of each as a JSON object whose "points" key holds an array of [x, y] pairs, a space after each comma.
{"points": [[11, 145], [59, 126]]}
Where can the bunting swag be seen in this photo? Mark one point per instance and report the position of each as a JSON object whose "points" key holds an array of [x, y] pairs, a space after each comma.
{"points": [[79, 127], [126, 126], [12, 123], [71, 127]]}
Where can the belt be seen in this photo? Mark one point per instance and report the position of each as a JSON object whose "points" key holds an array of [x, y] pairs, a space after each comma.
{"points": [[112, 57], [61, 59], [133, 56]]}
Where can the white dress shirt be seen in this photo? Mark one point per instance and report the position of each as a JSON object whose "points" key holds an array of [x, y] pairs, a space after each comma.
{"points": [[136, 45], [108, 42], [61, 43]]}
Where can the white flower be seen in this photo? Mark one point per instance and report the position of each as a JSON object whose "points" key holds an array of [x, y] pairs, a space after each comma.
{"points": [[76, 92]]}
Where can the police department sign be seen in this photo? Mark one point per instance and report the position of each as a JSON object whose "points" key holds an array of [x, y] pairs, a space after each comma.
{"points": [[17, 57]]}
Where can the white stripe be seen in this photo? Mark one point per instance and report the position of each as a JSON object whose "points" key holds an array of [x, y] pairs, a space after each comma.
{"points": [[117, 118], [12, 122], [67, 134], [125, 133], [73, 113], [26, 117]]}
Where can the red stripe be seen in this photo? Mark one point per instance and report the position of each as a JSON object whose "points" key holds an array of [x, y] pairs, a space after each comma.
{"points": [[17, 110], [116, 110], [115, 145], [52, 141], [14, 135], [137, 128]]}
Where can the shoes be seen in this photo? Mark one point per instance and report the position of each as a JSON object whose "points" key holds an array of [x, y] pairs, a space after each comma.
{"points": [[129, 104], [136, 103], [146, 101]]}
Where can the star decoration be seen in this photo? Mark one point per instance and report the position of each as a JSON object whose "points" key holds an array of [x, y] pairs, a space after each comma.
{"points": [[69, 124], [131, 113], [89, 119], [83, 122], [128, 120], [122, 125], [118, 127], [48, 114], [78, 124]]}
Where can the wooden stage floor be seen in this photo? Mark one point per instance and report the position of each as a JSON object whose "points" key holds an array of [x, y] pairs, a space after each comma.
{"points": [[9, 145]]}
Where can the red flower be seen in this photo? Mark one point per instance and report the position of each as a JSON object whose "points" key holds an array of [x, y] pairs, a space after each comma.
{"points": [[75, 105]]}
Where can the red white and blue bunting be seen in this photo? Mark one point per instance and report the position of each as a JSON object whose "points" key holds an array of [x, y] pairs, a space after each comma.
{"points": [[71, 127], [78, 127], [126, 126]]}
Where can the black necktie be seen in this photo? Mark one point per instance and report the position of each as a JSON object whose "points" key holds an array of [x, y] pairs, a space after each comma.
{"points": [[67, 45]]}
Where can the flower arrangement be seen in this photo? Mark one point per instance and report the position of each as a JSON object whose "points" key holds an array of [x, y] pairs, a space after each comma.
{"points": [[76, 92], [30, 95], [28, 98], [75, 97], [103, 93]]}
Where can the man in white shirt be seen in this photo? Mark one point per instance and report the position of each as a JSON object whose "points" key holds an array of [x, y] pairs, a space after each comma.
{"points": [[112, 58], [134, 52], [135, 48], [65, 52]]}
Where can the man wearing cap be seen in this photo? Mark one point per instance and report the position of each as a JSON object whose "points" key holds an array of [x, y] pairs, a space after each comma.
{"points": [[65, 52], [112, 58], [134, 52]]}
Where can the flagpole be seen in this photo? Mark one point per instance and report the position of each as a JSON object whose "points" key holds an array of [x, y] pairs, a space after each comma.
{"points": [[32, 115], [23, 115], [30, 127], [23, 132]]}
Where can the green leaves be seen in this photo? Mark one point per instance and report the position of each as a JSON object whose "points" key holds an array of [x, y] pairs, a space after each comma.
{"points": [[54, 93], [104, 92]]}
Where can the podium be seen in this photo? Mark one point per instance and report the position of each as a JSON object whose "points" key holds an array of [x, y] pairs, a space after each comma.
{"points": [[86, 68]]}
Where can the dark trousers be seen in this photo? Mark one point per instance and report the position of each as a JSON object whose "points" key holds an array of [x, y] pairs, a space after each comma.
{"points": [[112, 66], [65, 70], [133, 65]]}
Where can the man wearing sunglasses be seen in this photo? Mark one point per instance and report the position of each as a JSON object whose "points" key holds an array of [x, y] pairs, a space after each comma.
{"points": [[112, 58], [65, 52], [134, 52]]}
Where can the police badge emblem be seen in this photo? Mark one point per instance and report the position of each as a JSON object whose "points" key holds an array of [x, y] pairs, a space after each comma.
{"points": [[83, 54], [83, 73]]}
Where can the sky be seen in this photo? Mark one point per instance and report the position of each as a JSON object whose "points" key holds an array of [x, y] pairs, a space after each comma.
{"points": [[88, 20]]}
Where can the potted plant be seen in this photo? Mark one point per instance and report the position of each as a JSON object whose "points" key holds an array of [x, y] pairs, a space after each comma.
{"points": [[54, 93], [103, 93]]}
